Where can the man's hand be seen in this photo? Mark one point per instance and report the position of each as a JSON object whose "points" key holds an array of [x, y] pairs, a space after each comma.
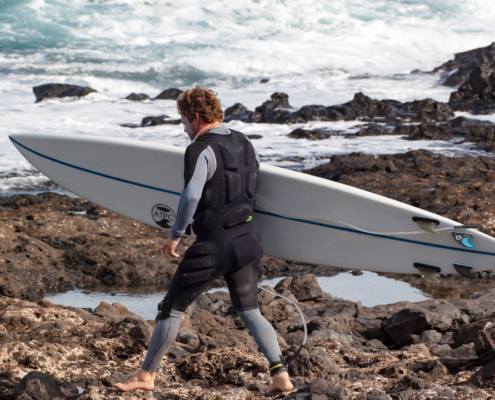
{"points": [[169, 247]]}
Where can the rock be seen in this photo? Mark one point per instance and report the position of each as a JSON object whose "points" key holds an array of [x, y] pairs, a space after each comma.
{"points": [[264, 80], [138, 97], [237, 108], [254, 137], [321, 387], [441, 350], [477, 93], [284, 284], [430, 337], [39, 386], [114, 312], [377, 395], [316, 134], [169, 94], [160, 120], [59, 90], [460, 68], [278, 100], [469, 333], [306, 288], [484, 344]]}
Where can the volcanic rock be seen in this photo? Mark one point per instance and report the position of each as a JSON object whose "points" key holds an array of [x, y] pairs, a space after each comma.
{"points": [[58, 90], [464, 63], [477, 93], [159, 120], [138, 97], [169, 94], [39, 386], [316, 134]]}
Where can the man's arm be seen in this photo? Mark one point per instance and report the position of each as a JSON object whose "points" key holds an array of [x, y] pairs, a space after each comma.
{"points": [[199, 167]]}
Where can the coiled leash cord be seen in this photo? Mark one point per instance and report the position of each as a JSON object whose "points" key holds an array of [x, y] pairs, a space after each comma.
{"points": [[288, 360]]}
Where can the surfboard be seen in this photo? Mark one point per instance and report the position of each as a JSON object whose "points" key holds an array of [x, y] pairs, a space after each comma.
{"points": [[299, 217]]}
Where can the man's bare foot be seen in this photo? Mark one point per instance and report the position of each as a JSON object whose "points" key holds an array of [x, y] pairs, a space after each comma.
{"points": [[140, 380], [281, 382]]}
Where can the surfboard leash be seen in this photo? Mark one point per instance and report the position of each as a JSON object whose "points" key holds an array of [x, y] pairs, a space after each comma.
{"points": [[288, 360]]}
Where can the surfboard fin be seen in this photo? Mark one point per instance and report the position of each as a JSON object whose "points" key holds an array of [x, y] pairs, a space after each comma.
{"points": [[464, 270], [428, 272], [427, 224]]}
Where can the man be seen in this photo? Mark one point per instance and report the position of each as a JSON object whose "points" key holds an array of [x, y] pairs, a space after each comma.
{"points": [[220, 174]]}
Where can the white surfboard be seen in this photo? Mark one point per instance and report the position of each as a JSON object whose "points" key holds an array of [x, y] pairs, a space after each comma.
{"points": [[299, 217]]}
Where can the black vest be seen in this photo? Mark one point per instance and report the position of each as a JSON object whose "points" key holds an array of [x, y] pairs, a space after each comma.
{"points": [[228, 201]]}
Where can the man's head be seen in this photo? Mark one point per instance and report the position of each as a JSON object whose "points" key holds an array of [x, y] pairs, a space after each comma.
{"points": [[199, 107]]}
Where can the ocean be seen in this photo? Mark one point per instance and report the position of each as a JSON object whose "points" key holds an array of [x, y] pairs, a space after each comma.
{"points": [[318, 52]]}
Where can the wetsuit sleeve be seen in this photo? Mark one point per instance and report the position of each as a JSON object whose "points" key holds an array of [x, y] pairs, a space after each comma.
{"points": [[199, 167]]}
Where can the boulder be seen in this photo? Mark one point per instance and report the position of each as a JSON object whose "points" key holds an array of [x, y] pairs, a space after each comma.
{"points": [[159, 120], [169, 94], [237, 108], [137, 97], [306, 288], [39, 386], [427, 315], [459, 69], [310, 134], [58, 90], [477, 93]]}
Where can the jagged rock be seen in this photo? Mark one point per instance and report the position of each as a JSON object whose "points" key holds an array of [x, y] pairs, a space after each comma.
{"points": [[159, 120], [169, 94], [237, 108], [416, 320], [278, 100], [316, 134], [464, 63], [306, 288], [58, 90], [138, 97], [477, 93], [430, 337], [39, 386]]}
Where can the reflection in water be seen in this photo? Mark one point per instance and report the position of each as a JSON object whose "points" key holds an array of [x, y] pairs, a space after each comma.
{"points": [[370, 289], [451, 286]]}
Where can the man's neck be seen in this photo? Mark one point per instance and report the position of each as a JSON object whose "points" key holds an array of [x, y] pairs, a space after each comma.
{"points": [[205, 128]]}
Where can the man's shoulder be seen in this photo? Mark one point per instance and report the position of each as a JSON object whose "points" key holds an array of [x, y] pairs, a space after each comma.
{"points": [[196, 148]]}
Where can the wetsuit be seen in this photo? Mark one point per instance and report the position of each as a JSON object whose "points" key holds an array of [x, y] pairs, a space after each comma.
{"points": [[220, 178]]}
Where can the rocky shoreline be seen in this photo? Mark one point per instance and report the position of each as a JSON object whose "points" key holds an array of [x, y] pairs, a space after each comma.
{"points": [[433, 349]]}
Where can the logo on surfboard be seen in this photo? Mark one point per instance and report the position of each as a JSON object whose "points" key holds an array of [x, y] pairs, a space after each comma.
{"points": [[463, 239], [163, 216]]}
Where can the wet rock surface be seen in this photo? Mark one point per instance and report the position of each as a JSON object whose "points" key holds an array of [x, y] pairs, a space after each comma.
{"points": [[458, 70], [351, 352], [59, 90]]}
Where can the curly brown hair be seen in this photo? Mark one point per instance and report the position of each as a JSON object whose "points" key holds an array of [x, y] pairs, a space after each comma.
{"points": [[200, 101]]}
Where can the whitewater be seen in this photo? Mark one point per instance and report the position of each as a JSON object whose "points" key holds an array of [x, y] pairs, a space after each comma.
{"points": [[318, 52]]}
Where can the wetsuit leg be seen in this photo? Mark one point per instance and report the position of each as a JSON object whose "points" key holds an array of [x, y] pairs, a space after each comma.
{"points": [[163, 336], [243, 288], [263, 334]]}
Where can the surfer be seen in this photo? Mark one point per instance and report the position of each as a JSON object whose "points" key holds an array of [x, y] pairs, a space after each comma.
{"points": [[220, 178]]}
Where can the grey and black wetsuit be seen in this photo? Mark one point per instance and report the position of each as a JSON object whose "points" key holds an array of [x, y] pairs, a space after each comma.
{"points": [[220, 174]]}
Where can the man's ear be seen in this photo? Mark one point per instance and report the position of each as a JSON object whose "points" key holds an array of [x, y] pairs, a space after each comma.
{"points": [[197, 120]]}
